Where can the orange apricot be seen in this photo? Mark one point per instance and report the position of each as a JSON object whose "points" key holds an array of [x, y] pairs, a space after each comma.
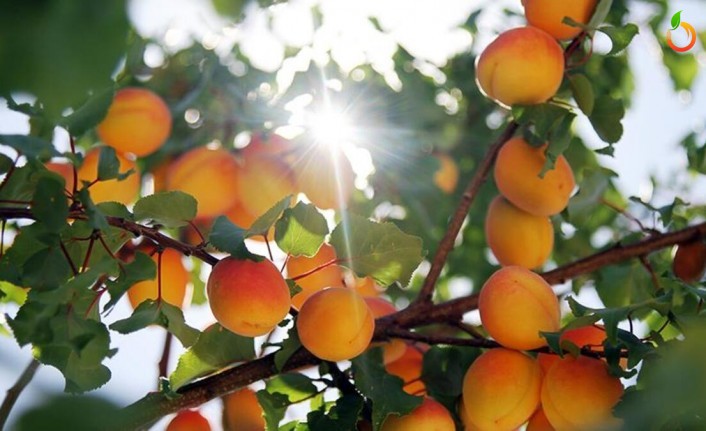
{"points": [[326, 178], [138, 122], [429, 416], [549, 14], [125, 191], [517, 237], [515, 304], [579, 394], [335, 324], [501, 390], [446, 177], [248, 298], [174, 275], [66, 170], [242, 411], [584, 336], [395, 348], [189, 420], [210, 176], [328, 276], [269, 145], [366, 286], [263, 182], [539, 422], [517, 170], [409, 369], [522, 66], [689, 261]]}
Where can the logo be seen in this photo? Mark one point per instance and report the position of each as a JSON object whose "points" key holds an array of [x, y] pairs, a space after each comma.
{"points": [[676, 23]]}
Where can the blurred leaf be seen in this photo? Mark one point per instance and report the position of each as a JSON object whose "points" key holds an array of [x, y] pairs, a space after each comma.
{"points": [[600, 13], [343, 416], [229, 8], [50, 204], [170, 209], [582, 91], [160, 313], [199, 291], [696, 154], [76, 413], [606, 118], [108, 164], [141, 268], [620, 36], [683, 68], [9, 293], [30, 146], [90, 113], [301, 230], [546, 123]]}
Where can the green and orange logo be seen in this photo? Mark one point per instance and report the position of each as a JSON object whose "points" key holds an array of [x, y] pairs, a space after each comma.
{"points": [[676, 23]]}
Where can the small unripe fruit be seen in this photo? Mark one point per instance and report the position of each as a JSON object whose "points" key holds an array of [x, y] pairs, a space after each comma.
{"points": [[189, 420], [690, 261], [335, 324], [242, 411], [548, 15], [515, 304], [517, 170], [175, 277], [248, 298], [124, 191], [429, 416], [328, 276], [409, 368], [446, 177], [138, 122]]}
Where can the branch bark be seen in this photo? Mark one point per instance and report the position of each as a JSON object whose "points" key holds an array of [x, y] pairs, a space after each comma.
{"points": [[14, 392]]}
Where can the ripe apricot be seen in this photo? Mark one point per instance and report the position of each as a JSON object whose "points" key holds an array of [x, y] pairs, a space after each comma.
{"points": [[584, 336], [328, 276], [210, 176], [517, 172], [501, 390], [242, 411], [515, 304], [366, 286], [429, 416], [263, 182], [189, 420], [124, 191], [409, 369], [549, 14], [689, 261], [517, 237], [522, 66], [327, 179], [269, 145], [174, 280], [539, 422], [138, 122], [446, 177], [248, 298], [579, 394], [395, 348], [66, 170], [335, 324]]}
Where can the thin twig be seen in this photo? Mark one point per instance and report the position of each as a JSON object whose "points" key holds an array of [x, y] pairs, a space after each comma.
{"points": [[164, 361], [68, 258], [16, 390]]}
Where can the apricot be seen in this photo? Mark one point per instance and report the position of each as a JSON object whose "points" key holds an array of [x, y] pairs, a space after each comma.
{"points": [[446, 177], [210, 176], [189, 420], [409, 369], [690, 261], [66, 170], [429, 416], [124, 191], [501, 390], [366, 286], [517, 170], [579, 394], [395, 348], [515, 304], [335, 324], [263, 182], [517, 237], [246, 297], [329, 276], [326, 178], [521, 66], [174, 280], [549, 14], [242, 411], [269, 145], [138, 122], [539, 422], [584, 336]]}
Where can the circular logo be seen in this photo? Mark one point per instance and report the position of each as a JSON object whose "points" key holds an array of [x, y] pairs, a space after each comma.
{"points": [[676, 23]]}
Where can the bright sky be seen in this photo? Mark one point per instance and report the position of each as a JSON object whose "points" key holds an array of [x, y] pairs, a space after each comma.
{"points": [[654, 125]]}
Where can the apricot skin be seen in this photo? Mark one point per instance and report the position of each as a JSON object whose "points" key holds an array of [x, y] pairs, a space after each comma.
{"points": [[429, 416], [208, 175], [515, 304], [174, 281], [501, 390], [124, 191], [248, 298], [395, 348], [517, 237], [326, 179], [549, 14], [446, 177], [138, 122], [690, 261], [579, 394], [242, 411], [189, 420], [330, 276], [409, 368], [263, 182], [522, 66], [66, 170], [335, 324], [517, 170], [539, 422]]}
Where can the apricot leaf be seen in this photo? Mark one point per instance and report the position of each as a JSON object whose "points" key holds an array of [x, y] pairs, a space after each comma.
{"points": [[274, 407], [229, 238], [58, 412], [90, 113], [301, 230], [620, 36], [50, 204], [443, 369], [683, 68], [141, 268], [161, 313], [606, 118], [342, 416], [297, 387], [170, 209], [379, 250], [30, 146], [265, 222], [289, 346], [582, 91]]}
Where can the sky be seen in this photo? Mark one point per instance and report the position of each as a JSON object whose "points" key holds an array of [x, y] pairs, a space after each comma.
{"points": [[654, 124]]}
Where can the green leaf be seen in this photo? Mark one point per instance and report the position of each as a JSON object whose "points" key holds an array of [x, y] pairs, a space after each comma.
{"points": [[606, 118], [170, 209], [301, 230], [620, 36], [343, 416], [683, 68], [115, 209], [676, 20], [141, 268], [160, 313], [30, 146], [90, 114], [601, 12], [49, 204], [264, 223], [289, 346], [229, 8], [383, 389], [228, 238], [443, 369], [274, 407], [216, 348], [582, 90], [6, 164], [379, 250], [9, 293], [297, 387], [63, 412], [108, 164]]}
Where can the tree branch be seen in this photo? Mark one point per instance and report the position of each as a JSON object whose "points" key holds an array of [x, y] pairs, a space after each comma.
{"points": [[14, 392]]}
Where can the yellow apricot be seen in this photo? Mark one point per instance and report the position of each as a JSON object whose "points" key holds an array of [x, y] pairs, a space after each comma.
{"points": [[517, 170], [189, 420], [208, 175], [242, 411], [335, 324], [326, 178], [549, 14], [174, 280], [501, 390], [366, 286], [429, 416], [263, 182], [124, 191], [515, 304], [248, 298], [270, 145], [409, 369], [517, 237], [590, 335], [66, 170], [539, 422], [522, 66], [579, 394], [328, 276], [395, 348], [138, 122], [689, 261], [446, 177]]}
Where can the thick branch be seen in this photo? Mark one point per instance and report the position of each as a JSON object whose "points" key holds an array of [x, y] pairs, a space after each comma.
{"points": [[14, 392]]}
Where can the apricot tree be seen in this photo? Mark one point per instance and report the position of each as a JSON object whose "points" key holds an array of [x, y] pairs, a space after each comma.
{"points": [[436, 290]]}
